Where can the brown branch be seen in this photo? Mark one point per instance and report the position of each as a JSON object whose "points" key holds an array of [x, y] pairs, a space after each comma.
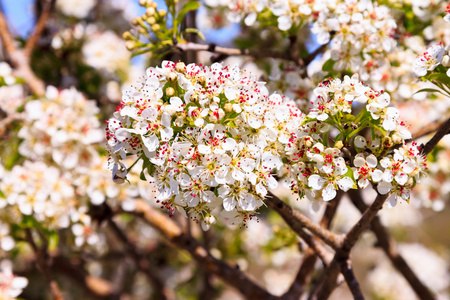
{"points": [[386, 243], [162, 292], [309, 258], [39, 28], [96, 287], [425, 130], [175, 236], [292, 54], [342, 253], [19, 60], [443, 130], [353, 285], [43, 263], [297, 221]]}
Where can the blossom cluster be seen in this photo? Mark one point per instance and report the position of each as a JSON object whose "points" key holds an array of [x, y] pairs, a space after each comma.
{"points": [[208, 137], [11, 91], [61, 127], [11, 285], [318, 169]]}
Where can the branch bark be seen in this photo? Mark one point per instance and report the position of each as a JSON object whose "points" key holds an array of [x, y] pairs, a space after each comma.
{"points": [[443, 130], [174, 235], [39, 28], [298, 221], [161, 292], [309, 259], [19, 60], [341, 258], [386, 242]]}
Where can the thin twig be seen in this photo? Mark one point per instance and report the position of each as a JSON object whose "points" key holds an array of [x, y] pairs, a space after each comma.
{"points": [[386, 243], [309, 258], [425, 130], [174, 235], [352, 283], [297, 221], [161, 291], [443, 130], [342, 253], [19, 60], [39, 28], [42, 262]]}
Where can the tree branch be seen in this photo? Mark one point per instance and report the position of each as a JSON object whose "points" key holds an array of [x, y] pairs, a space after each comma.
{"points": [[19, 60], [341, 257], [310, 258], [174, 235], [443, 130], [386, 243], [162, 292], [39, 27], [298, 221], [43, 264]]}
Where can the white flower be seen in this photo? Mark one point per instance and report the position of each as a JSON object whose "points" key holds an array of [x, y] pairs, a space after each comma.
{"points": [[429, 60]]}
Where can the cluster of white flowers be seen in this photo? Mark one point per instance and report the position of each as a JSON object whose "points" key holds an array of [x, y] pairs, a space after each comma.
{"points": [[11, 92], [318, 170], [363, 34], [75, 8], [43, 192], [106, 51], [288, 13], [209, 138], [11, 285], [430, 59], [61, 126]]}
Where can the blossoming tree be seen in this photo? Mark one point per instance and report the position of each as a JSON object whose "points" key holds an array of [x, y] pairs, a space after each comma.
{"points": [[306, 157]]}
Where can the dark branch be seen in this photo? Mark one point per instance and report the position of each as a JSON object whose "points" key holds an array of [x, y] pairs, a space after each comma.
{"points": [[443, 130]]}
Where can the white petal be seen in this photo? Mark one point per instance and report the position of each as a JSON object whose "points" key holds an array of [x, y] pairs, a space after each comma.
{"points": [[392, 200], [345, 183], [151, 142], [229, 203], [371, 161], [329, 192], [360, 141], [384, 187], [316, 182]]}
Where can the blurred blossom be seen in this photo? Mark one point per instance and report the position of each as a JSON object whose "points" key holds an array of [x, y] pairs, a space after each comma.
{"points": [[432, 270], [11, 285], [76, 8], [106, 51]]}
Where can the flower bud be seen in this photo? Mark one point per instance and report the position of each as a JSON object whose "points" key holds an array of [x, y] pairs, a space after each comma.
{"points": [[170, 92], [150, 11], [172, 77], [338, 144], [162, 13], [142, 2], [386, 141], [144, 17], [136, 21], [179, 67], [228, 107], [210, 220], [142, 30], [127, 35], [156, 27], [202, 80], [194, 97], [397, 139], [152, 4], [130, 45], [151, 20]]}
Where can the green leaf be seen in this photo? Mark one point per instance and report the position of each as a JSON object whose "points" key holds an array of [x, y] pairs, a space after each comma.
{"points": [[189, 6], [328, 66], [195, 31], [53, 240], [431, 91]]}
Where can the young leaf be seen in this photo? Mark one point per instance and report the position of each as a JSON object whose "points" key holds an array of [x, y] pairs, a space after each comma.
{"points": [[191, 5]]}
